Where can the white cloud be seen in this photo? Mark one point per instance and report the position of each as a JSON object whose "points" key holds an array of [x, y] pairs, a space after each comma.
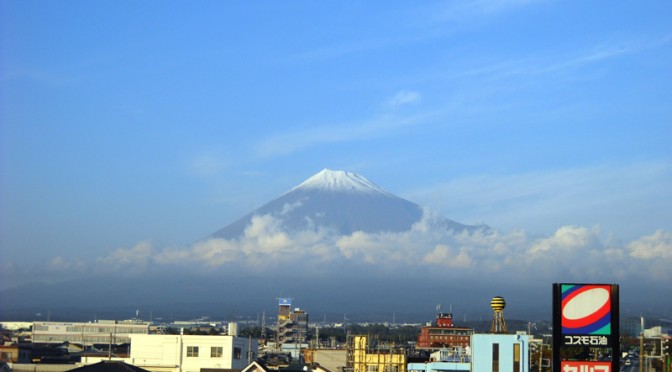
{"points": [[566, 239], [383, 125], [444, 255], [652, 247], [135, 259], [404, 97], [655, 254], [286, 208], [467, 11], [571, 253], [611, 195], [208, 163]]}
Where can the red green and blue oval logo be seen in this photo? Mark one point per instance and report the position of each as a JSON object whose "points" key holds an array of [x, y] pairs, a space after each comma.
{"points": [[586, 309]]}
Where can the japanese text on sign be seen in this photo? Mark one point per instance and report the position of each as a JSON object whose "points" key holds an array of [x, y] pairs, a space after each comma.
{"points": [[587, 340], [586, 367]]}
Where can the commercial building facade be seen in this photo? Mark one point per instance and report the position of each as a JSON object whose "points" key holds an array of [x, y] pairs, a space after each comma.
{"points": [[87, 334], [443, 334], [191, 353], [488, 352]]}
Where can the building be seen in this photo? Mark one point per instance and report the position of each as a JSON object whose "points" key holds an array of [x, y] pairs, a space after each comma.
{"points": [[292, 325], [444, 361], [109, 366], [191, 353], [9, 353], [488, 352], [333, 360], [364, 358], [87, 334], [443, 334], [500, 352], [15, 326]]}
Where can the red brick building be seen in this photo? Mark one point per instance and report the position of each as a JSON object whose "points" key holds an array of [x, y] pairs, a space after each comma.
{"points": [[444, 334]]}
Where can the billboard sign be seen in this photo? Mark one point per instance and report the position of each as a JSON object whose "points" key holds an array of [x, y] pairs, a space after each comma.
{"points": [[586, 367], [586, 309], [585, 321], [284, 302]]}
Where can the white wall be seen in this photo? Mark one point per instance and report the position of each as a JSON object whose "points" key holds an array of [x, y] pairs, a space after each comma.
{"points": [[169, 351]]}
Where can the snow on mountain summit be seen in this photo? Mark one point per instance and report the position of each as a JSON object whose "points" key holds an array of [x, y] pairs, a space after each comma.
{"points": [[336, 180], [340, 202]]}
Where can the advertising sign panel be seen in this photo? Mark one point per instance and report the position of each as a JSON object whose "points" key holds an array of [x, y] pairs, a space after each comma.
{"points": [[585, 324], [284, 302], [586, 367]]}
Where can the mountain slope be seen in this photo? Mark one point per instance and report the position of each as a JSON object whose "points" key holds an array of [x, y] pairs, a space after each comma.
{"points": [[343, 202]]}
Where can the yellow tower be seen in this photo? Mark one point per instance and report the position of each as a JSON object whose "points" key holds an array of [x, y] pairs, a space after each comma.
{"points": [[498, 324]]}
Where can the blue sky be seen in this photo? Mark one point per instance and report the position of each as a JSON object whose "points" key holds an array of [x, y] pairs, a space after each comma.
{"points": [[126, 122]]}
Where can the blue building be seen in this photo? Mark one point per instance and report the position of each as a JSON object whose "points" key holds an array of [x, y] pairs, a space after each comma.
{"points": [[488, 352]]}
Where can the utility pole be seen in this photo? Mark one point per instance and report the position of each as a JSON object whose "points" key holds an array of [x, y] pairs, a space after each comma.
{"points": [[641, 344], [249, 349]]}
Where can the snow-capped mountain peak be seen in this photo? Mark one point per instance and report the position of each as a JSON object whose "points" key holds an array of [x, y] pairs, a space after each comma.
{"points": [[336, 180], [339, 202]]}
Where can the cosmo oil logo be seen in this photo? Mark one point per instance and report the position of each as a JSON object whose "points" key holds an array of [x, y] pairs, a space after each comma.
{"points": [[586, 309]]}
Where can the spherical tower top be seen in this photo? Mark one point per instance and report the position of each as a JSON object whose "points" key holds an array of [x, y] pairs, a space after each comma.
{"points": [[498, 304]]}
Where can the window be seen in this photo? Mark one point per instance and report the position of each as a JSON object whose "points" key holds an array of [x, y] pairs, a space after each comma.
{"points": [[216, 351], [392, 368], [237, 353], [516, 357], [192, 351], [495, 357], [371, 368]]}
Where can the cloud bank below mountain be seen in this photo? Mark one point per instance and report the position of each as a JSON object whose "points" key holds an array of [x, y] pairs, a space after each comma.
{"points": [[572, 253]]}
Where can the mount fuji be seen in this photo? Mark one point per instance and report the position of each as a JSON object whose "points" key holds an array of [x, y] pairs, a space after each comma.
{"points": [[343, 203]]}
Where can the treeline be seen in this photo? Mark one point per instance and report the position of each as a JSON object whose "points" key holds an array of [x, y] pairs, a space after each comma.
{"points": [[379, 332]]}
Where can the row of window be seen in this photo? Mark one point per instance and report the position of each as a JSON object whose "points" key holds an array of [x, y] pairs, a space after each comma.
{"points": [[451, 338], [89, 329], [387, 368], [87, 339], [215, 352], [107, 329], [433, 332]]}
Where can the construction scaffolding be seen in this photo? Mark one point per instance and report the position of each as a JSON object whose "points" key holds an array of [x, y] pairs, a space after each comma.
{"points": [[362, 356]]}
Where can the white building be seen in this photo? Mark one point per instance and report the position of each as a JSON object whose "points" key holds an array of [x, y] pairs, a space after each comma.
{"points": [[87, 334], [191, 353], [15, 326]]}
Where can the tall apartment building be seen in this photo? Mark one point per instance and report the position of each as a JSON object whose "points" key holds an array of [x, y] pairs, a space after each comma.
{"points": [[292, 324]]}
